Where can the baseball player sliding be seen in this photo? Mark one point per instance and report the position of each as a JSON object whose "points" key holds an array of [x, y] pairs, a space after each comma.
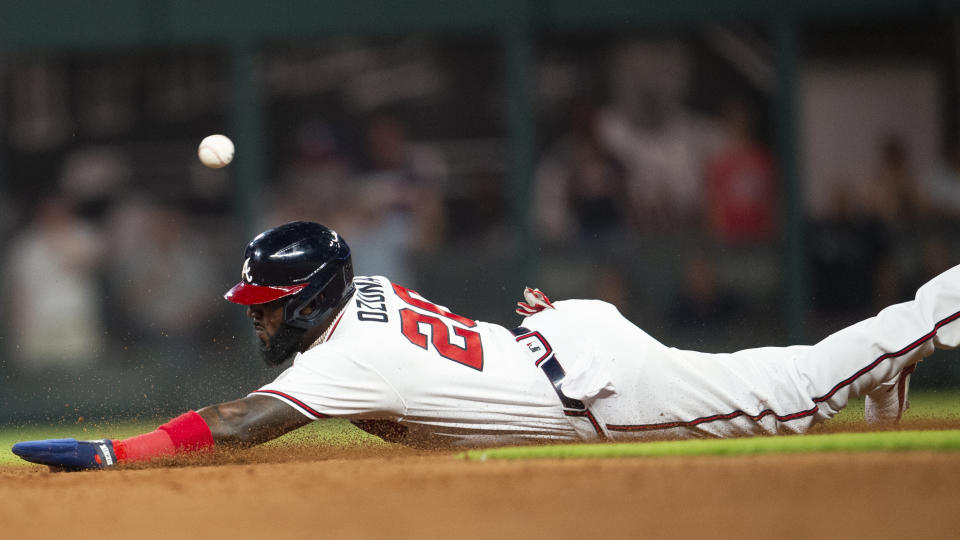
{"points": [[413, 372]]}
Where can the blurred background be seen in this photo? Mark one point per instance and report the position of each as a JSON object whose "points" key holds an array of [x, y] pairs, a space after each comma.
{"points": [[729, 173]]}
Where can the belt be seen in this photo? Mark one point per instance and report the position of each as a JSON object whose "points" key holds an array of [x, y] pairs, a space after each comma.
{"points": [[546, 360]]}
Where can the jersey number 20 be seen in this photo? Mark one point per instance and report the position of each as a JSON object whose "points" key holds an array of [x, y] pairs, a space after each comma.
{"points": [[471, 354]]}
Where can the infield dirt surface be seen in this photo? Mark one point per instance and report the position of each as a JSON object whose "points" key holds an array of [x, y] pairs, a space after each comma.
{"points": [[398, 493]]}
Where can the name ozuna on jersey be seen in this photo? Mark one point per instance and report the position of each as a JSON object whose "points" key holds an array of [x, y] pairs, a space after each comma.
{"points": [[371, 302]]}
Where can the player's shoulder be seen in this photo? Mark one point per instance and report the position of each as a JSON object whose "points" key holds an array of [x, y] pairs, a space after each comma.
{"points": [[331, 352], [371, 280], [373, 285]]}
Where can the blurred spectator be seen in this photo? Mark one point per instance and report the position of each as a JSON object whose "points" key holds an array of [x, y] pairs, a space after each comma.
{"points": [[663, 162], [892, 196], [398, 207], [581, 201], [581, 188], [315, 179], [934, 256], [651, 128], [847, 251], [700, 301], [93, 177], [941, 185], [54, 291], [741, 186], [891, 193], [162, 275]]}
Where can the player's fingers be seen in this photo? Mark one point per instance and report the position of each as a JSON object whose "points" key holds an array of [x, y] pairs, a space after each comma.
{"points": [[536, 297], [541, 298], [529, 296], [525, 309]]}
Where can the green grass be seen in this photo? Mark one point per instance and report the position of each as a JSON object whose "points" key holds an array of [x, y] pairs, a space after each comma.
{"points": [[890, 441], [932, 405], [329, 433]]}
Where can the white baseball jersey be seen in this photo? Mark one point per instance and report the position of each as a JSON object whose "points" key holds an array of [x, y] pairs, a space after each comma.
{"points": [[394, 356]]}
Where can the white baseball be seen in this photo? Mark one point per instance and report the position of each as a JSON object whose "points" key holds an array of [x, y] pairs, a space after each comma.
{"points": [[216, 151]]}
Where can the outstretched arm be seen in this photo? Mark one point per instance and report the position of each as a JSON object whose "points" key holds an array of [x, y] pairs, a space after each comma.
{"points": [[251, 420], [240, 423]]}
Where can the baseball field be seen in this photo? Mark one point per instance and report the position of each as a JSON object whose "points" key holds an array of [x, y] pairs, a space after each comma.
{"points": [[330, 480]]}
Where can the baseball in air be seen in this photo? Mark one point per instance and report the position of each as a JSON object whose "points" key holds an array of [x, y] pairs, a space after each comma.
{"points": [[216, 151]]}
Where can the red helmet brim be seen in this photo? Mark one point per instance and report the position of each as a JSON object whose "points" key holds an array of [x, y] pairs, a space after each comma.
{"points": [[246, 294]]}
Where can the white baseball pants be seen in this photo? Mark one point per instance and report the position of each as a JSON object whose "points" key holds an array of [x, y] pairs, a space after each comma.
{"points": [[659, 392]]}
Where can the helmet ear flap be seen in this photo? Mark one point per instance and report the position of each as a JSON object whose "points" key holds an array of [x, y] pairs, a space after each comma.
{"points": [[322, 298]]}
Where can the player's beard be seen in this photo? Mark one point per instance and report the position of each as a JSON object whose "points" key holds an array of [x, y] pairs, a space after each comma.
{"points": [[282, 345]]}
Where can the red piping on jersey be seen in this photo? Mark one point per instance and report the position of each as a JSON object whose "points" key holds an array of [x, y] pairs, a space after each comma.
{"points": [[589, 416], [883, 357], [293, 399], [543, 342], [335, 323], [794, 416], [705, 419]]}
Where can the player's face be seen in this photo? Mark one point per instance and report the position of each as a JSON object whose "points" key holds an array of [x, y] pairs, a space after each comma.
{"points": [[278, 341], [267, 319]]}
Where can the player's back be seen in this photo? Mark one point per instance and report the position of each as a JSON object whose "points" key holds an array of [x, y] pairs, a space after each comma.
{"points": [[394, 355]]}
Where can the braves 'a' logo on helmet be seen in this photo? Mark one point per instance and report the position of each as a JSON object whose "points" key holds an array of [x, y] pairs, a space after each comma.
{"points": [[246, 271]]}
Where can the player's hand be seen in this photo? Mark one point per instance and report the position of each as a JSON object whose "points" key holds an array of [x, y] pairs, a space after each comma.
{"points": [[68, 454], [534, 302]]}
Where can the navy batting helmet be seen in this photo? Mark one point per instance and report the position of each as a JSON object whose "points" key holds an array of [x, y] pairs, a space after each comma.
{"points": [[306, 261]]}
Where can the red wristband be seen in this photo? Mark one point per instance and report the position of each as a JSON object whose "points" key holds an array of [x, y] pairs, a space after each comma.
{"points": [[189, 432], [185, 433], [144, 447]]}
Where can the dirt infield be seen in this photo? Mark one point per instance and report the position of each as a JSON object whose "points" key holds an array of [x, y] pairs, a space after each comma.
{"points": [[394, 493]]}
